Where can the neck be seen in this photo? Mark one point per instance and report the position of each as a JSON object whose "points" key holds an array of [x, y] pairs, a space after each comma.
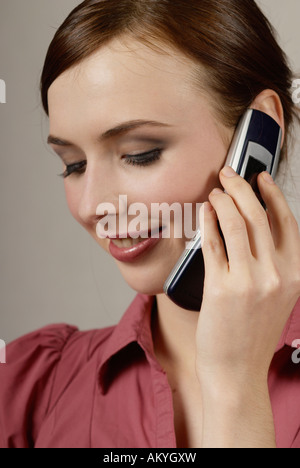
{"points": [[174, 335]]}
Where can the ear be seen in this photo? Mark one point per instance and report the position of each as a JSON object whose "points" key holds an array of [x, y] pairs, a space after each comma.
{"points": [[269, 102]]}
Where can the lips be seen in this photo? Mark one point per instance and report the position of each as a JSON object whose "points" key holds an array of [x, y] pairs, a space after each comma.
{"points": [[133, 235], [129, 250]]}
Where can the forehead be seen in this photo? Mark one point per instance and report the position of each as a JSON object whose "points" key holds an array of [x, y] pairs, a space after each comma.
{"points": [[125, 68], [125, 81]]}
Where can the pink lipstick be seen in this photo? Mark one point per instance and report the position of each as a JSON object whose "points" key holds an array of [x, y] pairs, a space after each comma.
{"points": [[135, 251]]}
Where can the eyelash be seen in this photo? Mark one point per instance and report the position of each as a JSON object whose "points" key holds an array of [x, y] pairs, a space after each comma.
{"points": [[142, 160], [74, 168]]}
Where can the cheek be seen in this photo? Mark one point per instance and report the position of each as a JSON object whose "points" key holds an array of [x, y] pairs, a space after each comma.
{"points": [[185, 183], [73, 200], [179, 179], [186, 174]]}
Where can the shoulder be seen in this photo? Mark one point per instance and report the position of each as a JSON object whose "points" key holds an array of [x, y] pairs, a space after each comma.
{"points": [[28, 378], [52, 337], [46, 345]]}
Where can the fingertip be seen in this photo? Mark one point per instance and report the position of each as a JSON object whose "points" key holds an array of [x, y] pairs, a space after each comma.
{"points": [[208, 218], [208, 208], [268, 178]]}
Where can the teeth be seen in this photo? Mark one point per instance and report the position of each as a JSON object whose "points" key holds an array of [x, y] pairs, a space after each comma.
{"points": [[126, 243]]}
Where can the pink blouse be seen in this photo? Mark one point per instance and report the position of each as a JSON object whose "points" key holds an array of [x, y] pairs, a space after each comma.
{"points": [[63, 388]]}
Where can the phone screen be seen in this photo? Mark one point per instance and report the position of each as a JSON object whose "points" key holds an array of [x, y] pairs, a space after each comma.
{"points": [[254, 168]]}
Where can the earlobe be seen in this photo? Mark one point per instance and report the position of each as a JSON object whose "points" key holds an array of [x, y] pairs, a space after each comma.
{"points": [[269, 102]]}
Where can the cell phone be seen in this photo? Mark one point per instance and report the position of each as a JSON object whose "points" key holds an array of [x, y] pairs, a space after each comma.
{"points": [[255, 148]]}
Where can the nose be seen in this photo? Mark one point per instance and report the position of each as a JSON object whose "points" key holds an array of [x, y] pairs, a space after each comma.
{"points": [[98, 187]]}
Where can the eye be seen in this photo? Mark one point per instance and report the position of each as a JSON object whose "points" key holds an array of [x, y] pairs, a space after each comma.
{"points": [[143, 159], [77, 168]]}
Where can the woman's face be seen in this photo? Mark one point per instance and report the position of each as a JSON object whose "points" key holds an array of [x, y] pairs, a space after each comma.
{"points": [[124, 83]]}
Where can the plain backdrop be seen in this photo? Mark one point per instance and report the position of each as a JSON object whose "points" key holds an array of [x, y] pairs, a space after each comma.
{"points": [[51, 270]]}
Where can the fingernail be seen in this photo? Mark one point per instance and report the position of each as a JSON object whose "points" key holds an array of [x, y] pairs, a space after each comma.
{"points": [[208, 207], [228, 172], [217, 191], [268, 178]]}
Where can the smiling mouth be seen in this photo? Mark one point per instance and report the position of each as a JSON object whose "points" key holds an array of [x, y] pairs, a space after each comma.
{"points": [[127, 243], [131, 242]]}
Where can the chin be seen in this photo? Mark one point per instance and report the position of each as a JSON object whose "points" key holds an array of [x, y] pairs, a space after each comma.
{"points": [[144, 282], [149, 274]]}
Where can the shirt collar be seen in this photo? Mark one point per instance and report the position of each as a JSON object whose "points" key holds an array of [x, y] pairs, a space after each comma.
{"points": [[292, 329], [135, 326]]}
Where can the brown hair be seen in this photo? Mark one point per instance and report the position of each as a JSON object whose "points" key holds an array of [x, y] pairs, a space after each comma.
{"points": [[231, 39]]}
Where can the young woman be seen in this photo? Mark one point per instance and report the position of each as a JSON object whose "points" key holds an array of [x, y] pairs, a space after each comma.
{"points": [[143, 98]]}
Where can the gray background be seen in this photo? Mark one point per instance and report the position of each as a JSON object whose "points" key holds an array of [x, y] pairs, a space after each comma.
{"points": [[51, 271]]}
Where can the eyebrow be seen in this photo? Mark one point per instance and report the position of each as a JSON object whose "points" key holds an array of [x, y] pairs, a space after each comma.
{"points": [[117, 131]]}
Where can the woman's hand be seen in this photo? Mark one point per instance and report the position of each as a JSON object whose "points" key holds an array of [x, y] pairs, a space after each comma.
{"points": [[247, 301]]}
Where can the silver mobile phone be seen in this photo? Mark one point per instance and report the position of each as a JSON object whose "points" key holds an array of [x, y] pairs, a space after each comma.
{"points": [[255, 148]]}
